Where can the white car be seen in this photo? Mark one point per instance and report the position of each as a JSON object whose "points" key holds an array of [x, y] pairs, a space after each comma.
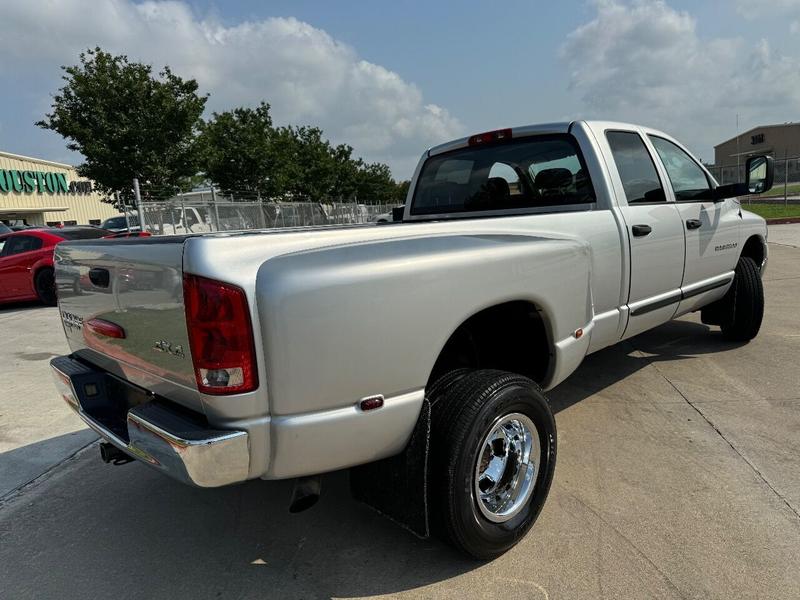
{"points": [[120, 224]]}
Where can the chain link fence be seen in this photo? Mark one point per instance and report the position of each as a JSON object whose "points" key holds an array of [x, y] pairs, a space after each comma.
{"points": [[786, 186], [206, 211]]}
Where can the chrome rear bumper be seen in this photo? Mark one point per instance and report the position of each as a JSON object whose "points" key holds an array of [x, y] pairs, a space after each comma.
{"points": [[152, 432]]}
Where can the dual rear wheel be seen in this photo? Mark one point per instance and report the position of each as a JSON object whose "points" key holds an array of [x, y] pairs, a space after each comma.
{"points": [[739, 313], [493, 440]]}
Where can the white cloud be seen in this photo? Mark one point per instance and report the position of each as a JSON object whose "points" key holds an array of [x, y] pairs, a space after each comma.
{"points": [[755, 9], [306, 75], [761, 9], [644, 61]]}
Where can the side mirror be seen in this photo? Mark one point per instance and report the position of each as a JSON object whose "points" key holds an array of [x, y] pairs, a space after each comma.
{"points": [[397, 213], [759, 173]]}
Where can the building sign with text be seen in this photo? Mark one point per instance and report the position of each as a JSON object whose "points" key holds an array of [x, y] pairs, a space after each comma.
{"points": [[43, 182]]}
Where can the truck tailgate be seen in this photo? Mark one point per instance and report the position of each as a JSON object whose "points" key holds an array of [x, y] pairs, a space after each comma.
{"points": [[121, 304]]}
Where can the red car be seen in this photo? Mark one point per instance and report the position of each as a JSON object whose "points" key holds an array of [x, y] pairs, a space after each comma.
{"points": [[26, 261]]}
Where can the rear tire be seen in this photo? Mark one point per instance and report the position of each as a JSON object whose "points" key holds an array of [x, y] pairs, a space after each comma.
{"points": [[493, 455], [45, 285], [746, 303]]}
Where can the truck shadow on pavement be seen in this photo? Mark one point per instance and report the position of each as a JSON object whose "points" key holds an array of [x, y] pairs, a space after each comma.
{"points": [[675, 340], [95, 530]]}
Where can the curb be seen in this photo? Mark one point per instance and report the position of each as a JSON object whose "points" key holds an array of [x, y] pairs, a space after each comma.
{"points": [[783, 220]]}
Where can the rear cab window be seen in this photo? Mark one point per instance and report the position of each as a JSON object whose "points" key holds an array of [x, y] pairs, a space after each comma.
{"points": [[529, 172]]}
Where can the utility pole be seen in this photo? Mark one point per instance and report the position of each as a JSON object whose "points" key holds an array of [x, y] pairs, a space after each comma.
{"points": [[184, 220], [262, 221], [738, 155], [124, 211], [138, 198], [785, 177], [216, 208]]}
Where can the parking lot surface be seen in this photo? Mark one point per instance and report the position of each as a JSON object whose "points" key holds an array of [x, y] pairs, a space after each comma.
{"points": [[678, 476]]}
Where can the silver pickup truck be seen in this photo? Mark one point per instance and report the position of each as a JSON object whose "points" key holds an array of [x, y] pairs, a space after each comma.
{"points": [[424, 344]]}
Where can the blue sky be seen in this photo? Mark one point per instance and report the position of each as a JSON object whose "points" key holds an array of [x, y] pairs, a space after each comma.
{"points": [[392, 78]]}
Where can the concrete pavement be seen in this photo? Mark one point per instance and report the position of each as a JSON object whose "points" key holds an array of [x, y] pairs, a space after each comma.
{"points": [[678, 476], [37, 431], [785, 235]]}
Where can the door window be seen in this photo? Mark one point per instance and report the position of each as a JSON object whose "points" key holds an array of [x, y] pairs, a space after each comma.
{"points": [[689, 181], [21, 243], [635, 166]]}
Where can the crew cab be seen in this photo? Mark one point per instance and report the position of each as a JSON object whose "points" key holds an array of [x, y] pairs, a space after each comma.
{"points": [[426, 344]]}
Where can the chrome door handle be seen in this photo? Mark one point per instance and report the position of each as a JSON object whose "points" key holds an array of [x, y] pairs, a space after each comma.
{"points": [[693, 223]]}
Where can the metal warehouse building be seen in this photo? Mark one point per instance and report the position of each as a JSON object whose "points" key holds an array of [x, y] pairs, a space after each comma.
{"points": [[780, 141], [41, 192]]}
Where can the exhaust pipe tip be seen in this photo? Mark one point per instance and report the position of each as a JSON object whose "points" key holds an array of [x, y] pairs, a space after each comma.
{"points": [[305, 493], [109, 453], [106, 451]]}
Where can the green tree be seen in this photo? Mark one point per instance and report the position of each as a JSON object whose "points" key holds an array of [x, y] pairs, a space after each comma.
{"points": [[246, 156], [375, 183], [314, 170], [401, 191], [240, 152], [128, 123]]}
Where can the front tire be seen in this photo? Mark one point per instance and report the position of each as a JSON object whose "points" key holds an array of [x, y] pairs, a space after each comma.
{"points": [[746, 303], [45, 285], [493, 458]]}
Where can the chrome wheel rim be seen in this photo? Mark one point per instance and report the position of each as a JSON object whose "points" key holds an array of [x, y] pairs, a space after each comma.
{"points": [[507, 467]]}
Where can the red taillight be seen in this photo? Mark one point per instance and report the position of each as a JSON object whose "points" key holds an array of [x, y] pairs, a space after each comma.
{"points": [[500, 135], [106, 328], [220, 336]]}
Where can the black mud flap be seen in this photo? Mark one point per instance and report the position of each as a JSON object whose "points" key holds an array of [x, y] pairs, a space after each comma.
{"points": [[397, 487]]}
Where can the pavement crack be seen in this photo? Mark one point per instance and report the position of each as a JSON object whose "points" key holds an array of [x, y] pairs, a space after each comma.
{"points": [[711, 424], [7, 498], [672, 585]]}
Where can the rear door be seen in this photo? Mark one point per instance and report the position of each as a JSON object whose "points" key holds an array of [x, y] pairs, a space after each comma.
{"points": [[654, 232], [711, 228]]}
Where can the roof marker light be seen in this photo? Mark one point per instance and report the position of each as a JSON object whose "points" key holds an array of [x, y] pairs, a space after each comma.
{"points": [[499, 135]]}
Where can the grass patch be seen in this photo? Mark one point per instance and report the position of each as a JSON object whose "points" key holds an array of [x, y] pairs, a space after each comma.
{"points": [[793, 189], [773, 211]]}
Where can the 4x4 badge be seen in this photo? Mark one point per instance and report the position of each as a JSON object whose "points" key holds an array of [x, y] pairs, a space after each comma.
{"points": [[165, 346], [71, 321]]}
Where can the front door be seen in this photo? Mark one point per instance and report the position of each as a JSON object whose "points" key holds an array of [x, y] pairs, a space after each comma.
{"points": [[711, 228], [655, 233]]}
